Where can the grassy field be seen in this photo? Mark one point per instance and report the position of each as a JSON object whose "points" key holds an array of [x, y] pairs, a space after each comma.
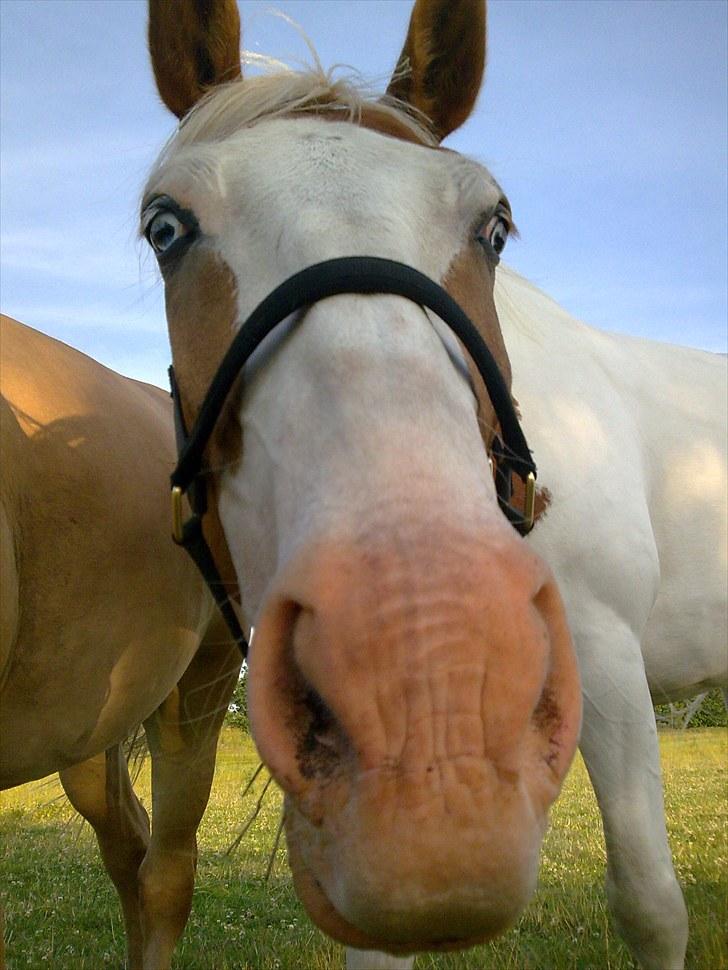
{"points": [[61, 910]]}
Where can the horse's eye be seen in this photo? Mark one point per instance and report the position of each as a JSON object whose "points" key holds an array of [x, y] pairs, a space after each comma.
{"points": [[498, 234], [495, 234], [164, 230]]}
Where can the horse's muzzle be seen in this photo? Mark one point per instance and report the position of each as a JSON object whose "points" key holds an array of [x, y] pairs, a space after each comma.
{"points": [[416, 696]]}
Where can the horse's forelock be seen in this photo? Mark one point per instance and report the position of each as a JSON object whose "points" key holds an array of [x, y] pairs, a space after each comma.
{"points": [[244, 102]]}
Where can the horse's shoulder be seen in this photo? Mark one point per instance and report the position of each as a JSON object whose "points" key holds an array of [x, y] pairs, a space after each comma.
{"points": [[89, 445]]}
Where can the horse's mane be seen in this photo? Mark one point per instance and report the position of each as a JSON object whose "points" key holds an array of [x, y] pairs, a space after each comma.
{"points": [[282, 91]]}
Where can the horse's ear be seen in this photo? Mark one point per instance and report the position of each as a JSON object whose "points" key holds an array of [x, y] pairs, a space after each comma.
{"points": [[194, 44], [441, 66]]}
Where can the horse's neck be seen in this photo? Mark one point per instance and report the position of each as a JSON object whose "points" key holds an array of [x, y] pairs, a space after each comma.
{"points": [[629, 439], [667, 392]]}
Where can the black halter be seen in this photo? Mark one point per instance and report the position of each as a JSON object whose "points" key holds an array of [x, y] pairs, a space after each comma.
{"points": [[350, 274]]}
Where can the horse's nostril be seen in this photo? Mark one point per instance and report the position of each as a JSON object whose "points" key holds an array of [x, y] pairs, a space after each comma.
{"points": [[557, 715], [547, 714], [547, 720], [322, 745], [317, 741]]}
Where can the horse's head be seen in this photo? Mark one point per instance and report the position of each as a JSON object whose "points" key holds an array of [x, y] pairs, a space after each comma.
{"points": [[412, 684]]}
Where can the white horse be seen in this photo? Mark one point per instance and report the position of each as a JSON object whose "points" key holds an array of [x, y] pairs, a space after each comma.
{"points": [[631, 441], [411, 680]]}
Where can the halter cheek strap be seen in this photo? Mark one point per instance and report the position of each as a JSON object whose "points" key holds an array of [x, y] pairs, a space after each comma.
{"points": [[189, 534], [351, 274]]}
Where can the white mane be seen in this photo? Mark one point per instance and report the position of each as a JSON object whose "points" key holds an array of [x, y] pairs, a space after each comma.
{"points": [[282, 91]]}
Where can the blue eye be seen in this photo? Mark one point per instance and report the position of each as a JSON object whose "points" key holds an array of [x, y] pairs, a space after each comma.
{"points": [[164, 230], [495, 234], [498, 234]]}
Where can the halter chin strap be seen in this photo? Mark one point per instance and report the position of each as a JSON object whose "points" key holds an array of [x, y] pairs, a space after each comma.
{"points": [[334, 277]]}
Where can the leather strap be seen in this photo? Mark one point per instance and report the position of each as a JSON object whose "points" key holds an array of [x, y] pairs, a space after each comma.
{"points": [[193, 539], [349, 274]]}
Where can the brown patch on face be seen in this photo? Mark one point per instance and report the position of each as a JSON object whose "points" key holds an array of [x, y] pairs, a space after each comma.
{"points": [[469, 281], [387, 124], [201, 314]]}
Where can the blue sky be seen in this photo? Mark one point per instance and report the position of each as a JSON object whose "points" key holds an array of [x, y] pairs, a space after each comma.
{"points": [[604, 120]]}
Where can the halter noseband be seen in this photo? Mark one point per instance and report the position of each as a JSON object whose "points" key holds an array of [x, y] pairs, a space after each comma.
{"points": [[333, 277]]}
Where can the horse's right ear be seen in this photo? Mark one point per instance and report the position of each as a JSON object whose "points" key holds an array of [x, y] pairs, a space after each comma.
{"points": [[194, 44], [441, 66]]}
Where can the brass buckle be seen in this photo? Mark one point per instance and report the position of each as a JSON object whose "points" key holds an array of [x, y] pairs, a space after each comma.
{"points": [[177, 517], [529, 500], [529, 505]]}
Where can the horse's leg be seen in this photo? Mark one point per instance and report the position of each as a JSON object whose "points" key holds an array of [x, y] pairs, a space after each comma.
{"points": [[183, 735], [100, 790], [620, 747], [374, 960]]}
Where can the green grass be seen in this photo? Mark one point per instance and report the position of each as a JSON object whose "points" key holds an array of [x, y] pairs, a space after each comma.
{"points": [[61, 910]]}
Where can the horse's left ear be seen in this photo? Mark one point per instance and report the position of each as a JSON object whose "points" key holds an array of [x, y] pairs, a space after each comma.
{"points": [[195, 44], [441, 66]]}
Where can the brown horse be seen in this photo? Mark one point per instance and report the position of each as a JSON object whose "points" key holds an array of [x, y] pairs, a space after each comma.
{"points": [[105, 624], [413, 686]]}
